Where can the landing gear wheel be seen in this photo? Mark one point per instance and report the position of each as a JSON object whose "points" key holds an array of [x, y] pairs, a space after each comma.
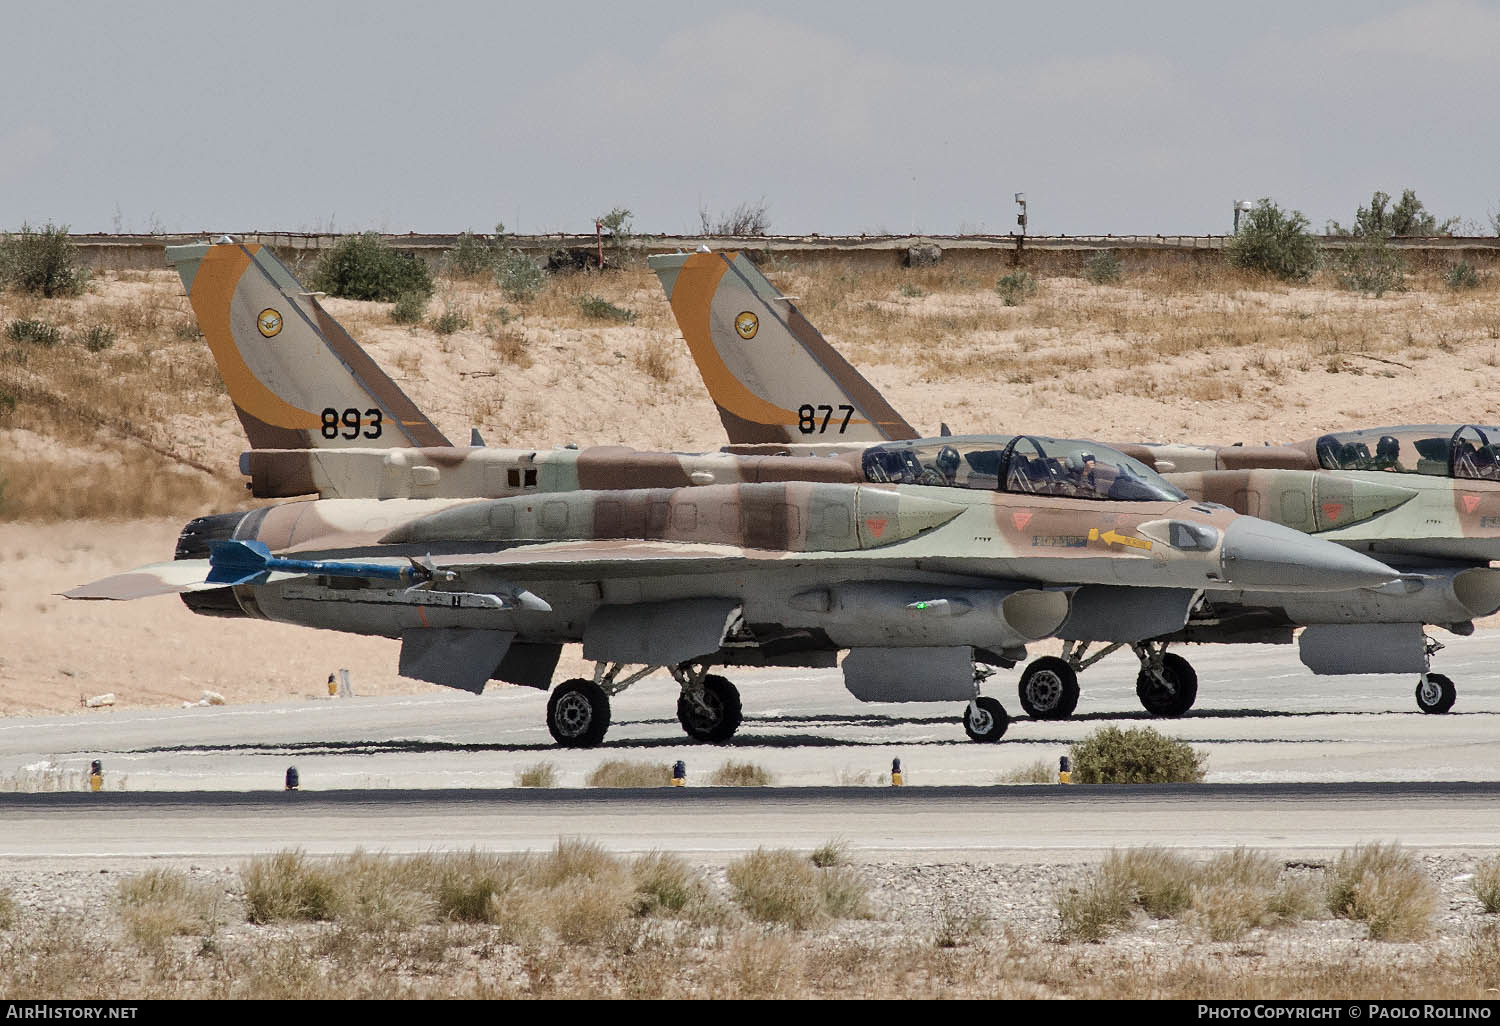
{"points": [[719, 718], [1174, 695], [1049, 689], [578, 713], [1436, 693], [985, 720]]}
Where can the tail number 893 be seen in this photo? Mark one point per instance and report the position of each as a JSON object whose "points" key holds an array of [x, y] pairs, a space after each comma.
{"points": [[814, 420], [349, 423]]}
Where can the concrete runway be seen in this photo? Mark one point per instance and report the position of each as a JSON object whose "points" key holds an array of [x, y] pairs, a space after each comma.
{"points": [[1008, 823], [1261, 718]]}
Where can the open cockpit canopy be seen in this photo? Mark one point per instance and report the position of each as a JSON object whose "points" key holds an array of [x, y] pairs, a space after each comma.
{"points": [[1027, 464], [1465, 451]]}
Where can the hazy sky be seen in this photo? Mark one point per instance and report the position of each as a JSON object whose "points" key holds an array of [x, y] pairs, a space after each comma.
{"points": [[846, 117]]}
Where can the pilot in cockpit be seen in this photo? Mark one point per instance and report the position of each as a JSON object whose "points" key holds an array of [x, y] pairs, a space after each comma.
{"points": [[1387, 454]]}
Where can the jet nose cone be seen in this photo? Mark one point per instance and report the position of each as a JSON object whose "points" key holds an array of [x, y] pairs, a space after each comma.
{"points": [[1258, 554]]}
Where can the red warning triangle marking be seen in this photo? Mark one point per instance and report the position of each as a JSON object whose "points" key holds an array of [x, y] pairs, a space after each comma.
{"points": [[1331, 510], [1021, 518], [877, 527], [1471, 503]]}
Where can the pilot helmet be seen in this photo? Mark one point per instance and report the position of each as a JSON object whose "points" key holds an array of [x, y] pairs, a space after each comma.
{"points": [[947, 460], [1387, 448]]}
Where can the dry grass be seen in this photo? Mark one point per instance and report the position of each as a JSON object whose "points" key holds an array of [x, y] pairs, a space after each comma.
{"points": [[672, 942], [1041, 771], [290, 886], [779, 886], [1487, 884], [833, 852], [741, 774], [7, 910], [164, 903], [627, 773], [1225, 897], [542, 774], [1382, 886]]}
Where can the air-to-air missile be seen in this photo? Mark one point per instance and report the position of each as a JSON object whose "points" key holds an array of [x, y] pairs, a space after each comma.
{"points": [[683, 562], [1424, 499]]}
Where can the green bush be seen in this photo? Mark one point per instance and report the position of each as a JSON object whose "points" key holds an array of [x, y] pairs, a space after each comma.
{"points": [[29, 330], [97, 338], [1015, 287], [1461, 276], [41, 260], [1275, 242], [449, 321], [473, 256], [1407, 217], [1102, 268], [364, 267], [596, 308], [409, 308], [1138, 756], [618, 222], [518, 276], [1372, 266]]}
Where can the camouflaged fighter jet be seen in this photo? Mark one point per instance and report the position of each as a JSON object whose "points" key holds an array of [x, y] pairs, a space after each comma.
{"points": [[780, 387], [925, 587]]}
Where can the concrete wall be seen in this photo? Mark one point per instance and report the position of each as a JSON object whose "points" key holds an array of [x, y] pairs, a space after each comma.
{"points": [[982, 254]]}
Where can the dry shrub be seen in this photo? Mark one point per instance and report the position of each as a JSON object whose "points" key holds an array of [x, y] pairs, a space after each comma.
{"points": [[780, 886], [1093, 911], [541, 774], [61, 958], [510, 346], [465, 884], [830, 853], [163, 903], [1159, 881], [741, 774], [655, 361], [7, 910], [667, 885], [764, 966], [625, 773], [1487, 883], [1039, 772], [777, 887], [288, 885], [383, 892], [1384, 887]]}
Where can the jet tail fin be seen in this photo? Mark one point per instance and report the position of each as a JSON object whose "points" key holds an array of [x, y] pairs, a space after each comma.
{"points": [[772, 375], [297, 378]]}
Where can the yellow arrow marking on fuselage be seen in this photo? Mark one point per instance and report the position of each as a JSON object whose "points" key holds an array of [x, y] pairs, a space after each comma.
{"points": [[1111, 538]]}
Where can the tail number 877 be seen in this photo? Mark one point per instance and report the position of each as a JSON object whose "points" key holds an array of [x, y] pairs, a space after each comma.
{"points": [[808, 418], [349, 423]]}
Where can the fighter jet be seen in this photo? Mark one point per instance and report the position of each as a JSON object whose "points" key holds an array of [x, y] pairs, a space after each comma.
{"points": [[782, 388], [927, 587]]}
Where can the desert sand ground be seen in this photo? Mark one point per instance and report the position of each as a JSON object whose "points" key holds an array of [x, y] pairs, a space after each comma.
{"points": [[104, 454]]}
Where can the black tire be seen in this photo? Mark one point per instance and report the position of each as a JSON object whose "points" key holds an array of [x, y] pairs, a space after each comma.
{"points": [[723, 698], [1049, 689], [578, 713], [1160, 700], [1441, 694], [990, 724]]}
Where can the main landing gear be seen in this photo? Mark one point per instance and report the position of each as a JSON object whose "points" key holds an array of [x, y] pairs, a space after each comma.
{"points": [[985, 719], [1166, 686], [1435, 692], [578, 709]]}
